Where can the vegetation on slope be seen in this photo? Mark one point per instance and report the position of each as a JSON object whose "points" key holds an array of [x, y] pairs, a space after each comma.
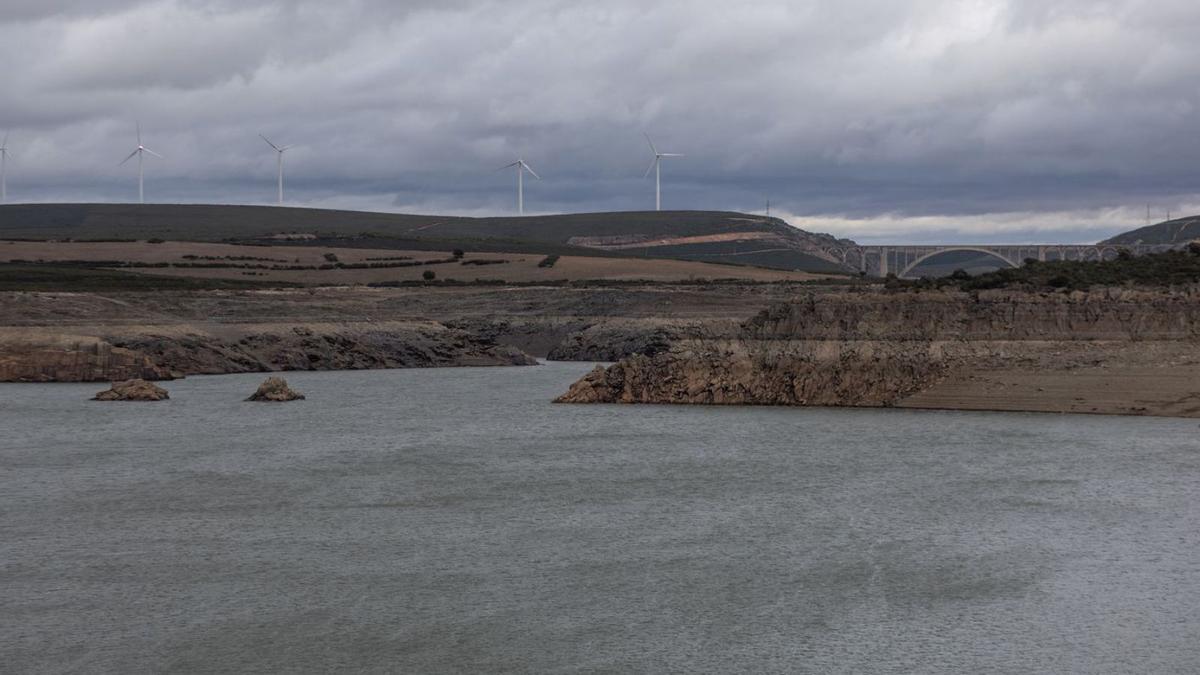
{"points": [[1171, 268], [74, 278], [1176, 231]]}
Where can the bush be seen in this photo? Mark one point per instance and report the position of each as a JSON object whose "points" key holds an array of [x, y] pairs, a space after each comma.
{"points": [[331, 257], [155, 240], [428, 275], [458, 253]]}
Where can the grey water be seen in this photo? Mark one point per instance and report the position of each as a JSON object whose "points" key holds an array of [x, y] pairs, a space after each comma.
{"points": [[436, 521]]}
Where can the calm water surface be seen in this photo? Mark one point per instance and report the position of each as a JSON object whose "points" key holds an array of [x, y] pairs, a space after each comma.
{"points": [[428, 521]]}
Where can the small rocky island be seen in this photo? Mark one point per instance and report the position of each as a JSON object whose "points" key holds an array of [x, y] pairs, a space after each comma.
{"points": [[133, 390], [275, 389]]}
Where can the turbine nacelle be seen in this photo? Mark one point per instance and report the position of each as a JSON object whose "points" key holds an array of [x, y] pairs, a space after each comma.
{"points": [[140, 151], [522, 167]]}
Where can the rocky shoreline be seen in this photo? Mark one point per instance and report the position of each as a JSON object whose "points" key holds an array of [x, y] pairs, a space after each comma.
{"points": [[1114, 352], [105, 354]]}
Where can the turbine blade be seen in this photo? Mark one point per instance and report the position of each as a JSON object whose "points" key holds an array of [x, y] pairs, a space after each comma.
{"points": [[4, 145], [652, 148], [651, 167], [509, 166], [530, 170], [270, 143], [153, 153], [131, 156], [671, 154], [286, 147], [139, 132]]}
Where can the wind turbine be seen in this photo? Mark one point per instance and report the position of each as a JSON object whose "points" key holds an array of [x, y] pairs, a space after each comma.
{"points": [[657, 168], [522, 167], [141, 150], [4, 169], [280, 151]]}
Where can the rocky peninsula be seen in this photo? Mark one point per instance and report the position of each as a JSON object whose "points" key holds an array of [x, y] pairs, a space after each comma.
{"points": [[1116, 351]]}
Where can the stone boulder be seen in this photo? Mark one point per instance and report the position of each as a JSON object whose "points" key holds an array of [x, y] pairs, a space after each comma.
{"points": [[133, 390], [275, 389]]}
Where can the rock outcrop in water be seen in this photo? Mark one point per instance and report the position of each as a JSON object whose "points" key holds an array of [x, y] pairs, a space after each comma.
{"points": [[133, 390], [1001, 350], [824, 373], [275, 389]]}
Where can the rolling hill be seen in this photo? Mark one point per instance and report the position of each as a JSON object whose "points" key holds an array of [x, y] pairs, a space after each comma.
{"points": [[709, 236], [1176, 231]]}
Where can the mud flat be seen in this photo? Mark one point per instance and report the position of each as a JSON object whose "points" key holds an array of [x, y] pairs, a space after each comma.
{"points": [[1105, 352]]}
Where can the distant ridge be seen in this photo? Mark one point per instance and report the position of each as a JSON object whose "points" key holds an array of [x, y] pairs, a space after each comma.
{"points": [[1176, 231], [711, 236]]}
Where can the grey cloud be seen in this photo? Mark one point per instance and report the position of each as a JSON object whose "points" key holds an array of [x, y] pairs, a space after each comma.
{"points": [[858, 109]]}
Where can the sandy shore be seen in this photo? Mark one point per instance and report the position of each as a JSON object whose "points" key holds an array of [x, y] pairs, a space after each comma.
{"points": [[1104, 390]]}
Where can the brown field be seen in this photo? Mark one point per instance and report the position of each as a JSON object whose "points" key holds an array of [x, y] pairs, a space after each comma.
{"points": [[518, 267], [617, 243]]}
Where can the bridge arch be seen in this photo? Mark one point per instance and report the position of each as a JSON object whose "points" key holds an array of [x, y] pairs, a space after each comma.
{"points": [[914, 264]]}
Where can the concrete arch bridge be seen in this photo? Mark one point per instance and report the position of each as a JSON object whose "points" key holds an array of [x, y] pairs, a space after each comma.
{"points": [[879, 261]]}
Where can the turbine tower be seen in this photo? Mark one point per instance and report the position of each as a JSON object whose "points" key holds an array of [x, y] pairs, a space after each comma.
{"points": [[656, 166], [522, 167], [139, 152], [280, 152], [4, 170]]}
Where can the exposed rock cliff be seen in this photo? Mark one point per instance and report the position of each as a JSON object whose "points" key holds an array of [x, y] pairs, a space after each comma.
{"points": [[1114, 314], [75, 361], [162, 352], [754, 373]]}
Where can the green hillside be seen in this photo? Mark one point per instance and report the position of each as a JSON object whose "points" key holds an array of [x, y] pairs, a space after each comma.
{"points": [[788, 247]]}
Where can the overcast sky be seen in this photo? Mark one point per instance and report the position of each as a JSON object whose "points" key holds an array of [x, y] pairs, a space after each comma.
{"points": [[880, 120]]}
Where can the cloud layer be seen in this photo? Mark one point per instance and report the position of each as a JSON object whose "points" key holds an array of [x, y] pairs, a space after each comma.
{"points": [[953, 120]]}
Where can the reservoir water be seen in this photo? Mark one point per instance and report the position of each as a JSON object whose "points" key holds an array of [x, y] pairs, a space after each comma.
{"points": [[429, 521]]}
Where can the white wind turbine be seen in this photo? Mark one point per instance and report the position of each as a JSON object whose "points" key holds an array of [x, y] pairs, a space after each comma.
{"points": [[4, 169], [656, 167], [280, 152], [522, 167], [141, 150]]}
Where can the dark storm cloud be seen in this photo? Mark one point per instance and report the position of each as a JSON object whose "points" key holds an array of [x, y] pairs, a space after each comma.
{"points": [[965, 119]]}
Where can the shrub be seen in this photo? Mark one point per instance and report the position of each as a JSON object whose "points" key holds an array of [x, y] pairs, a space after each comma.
{"points": [[155, 240], [331, 257], [458, 253], [428, 275]]}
